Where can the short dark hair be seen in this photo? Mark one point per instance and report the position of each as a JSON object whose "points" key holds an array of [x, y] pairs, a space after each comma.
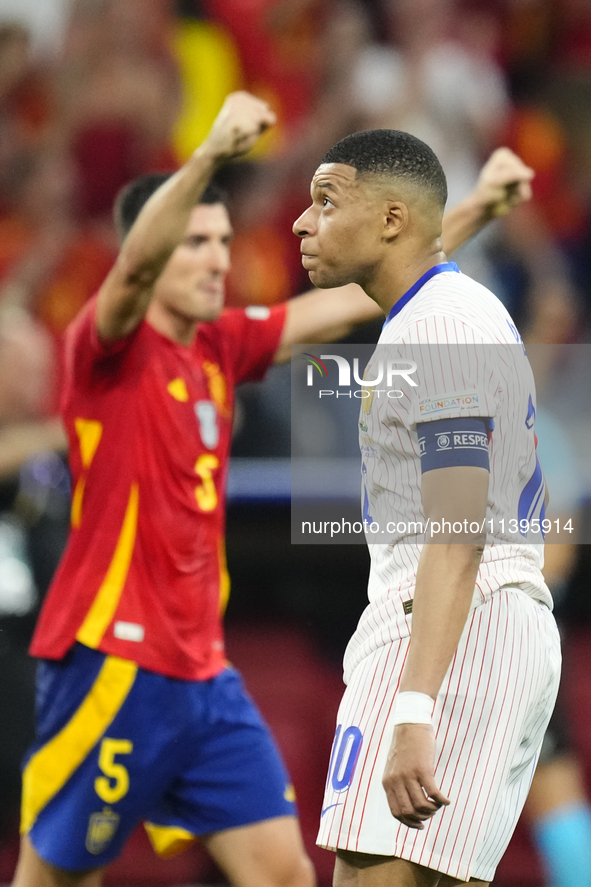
{"points": [[390, 152], [133, 196]]}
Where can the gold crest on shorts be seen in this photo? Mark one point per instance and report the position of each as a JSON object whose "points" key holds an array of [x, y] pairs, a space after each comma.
{"points": [[101, 830]]}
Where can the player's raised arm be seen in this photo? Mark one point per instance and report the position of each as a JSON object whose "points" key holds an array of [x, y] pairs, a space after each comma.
{"points": [[125, 295], [504, 182], [330, 314], [325, 316]]}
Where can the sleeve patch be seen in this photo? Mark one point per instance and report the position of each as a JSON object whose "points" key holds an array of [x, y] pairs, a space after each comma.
{"points": [[257, 312], [465, 400], [444, 443]]}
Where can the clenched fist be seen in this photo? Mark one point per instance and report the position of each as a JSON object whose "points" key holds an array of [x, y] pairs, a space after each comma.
{"points": [[240, 122], [504, 182]]}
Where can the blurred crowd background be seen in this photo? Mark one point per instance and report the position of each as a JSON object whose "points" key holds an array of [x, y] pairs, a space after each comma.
{"points": [[96, 92]]}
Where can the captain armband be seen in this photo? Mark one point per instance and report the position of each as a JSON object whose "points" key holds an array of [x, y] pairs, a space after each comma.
{"points": [[445, 443]]}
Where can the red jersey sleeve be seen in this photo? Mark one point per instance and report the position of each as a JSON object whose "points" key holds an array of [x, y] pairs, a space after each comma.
{"points": [[83, 348], [251, 337]]}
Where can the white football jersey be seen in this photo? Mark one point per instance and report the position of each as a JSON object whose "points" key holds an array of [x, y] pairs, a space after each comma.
{"points": [[470, 362]]}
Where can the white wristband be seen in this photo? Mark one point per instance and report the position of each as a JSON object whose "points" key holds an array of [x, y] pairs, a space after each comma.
{"points": [[412, 708]]}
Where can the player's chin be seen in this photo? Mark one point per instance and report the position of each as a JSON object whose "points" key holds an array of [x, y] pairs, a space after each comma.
{"points": [[324, 279], [213, 313], [210, 309]]}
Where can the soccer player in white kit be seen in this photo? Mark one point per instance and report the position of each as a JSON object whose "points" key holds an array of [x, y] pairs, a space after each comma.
{"points": [[453, 670]]}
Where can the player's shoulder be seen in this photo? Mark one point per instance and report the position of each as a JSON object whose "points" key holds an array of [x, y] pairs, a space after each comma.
{"points": [[235, 323], [85, 322], [218, 334], [453, 307], [84, 318], [233, 318], [221, 338], [461, 296]]}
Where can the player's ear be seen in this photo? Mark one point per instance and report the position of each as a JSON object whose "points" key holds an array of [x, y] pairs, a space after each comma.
{"points": [[395, 219]]}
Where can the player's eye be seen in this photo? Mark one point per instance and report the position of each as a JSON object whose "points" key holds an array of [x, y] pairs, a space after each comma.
{"points": [[326, 202]]}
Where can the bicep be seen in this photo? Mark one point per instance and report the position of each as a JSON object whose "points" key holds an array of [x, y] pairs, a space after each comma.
{"points": [[456, 494]]}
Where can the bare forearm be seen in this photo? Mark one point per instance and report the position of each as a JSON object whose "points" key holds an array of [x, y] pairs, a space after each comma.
{"points": [[125, 296], [463, 222], [325, 316], [163, 220], [503, 183], [343, 309], [446, 578]]}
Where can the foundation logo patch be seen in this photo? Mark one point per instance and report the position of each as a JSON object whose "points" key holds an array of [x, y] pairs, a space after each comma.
{"points": [[465, 400], [101, 830]]}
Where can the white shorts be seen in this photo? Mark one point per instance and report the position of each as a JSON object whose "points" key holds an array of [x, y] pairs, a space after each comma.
{"points": [[490, 717]]}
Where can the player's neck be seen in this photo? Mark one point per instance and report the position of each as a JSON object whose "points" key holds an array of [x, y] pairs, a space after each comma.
{"points": [[394, 278], [174, 326]]}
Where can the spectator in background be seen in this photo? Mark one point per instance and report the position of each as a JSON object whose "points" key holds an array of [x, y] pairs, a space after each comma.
{"points": [[439, 78], [299, 57], [425, 80], [209, 68], [25, 99], [26, 375], [117, 95], [557, 806], [54, 262], [542, 243], [45, 22], [548, 59]]}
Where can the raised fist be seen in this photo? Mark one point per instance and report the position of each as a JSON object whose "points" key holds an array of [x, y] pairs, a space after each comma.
{"points": [[504, 182], [240, 122]]}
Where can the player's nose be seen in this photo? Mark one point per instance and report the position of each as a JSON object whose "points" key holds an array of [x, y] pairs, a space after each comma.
{"points": [[305, 225], [219, 258]]}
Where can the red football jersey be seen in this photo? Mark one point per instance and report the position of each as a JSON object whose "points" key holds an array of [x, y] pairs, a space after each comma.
{"points": [[149, 423]]}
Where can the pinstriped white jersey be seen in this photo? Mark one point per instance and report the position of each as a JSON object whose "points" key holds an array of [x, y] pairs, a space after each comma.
{"points": [[470, 362]]}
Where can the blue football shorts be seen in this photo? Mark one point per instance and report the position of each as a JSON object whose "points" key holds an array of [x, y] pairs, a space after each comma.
{"points": [[117, 745]]}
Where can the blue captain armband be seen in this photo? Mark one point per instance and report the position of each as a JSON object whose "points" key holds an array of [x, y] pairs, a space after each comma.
{"points": [[448, 442]]}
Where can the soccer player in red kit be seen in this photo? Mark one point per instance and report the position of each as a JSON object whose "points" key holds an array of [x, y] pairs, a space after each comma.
{"points": [[139, 716]]}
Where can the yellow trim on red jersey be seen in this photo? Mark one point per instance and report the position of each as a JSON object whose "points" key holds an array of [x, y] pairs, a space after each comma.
{"points": [[76, 509], [218, 387], [89, 433], [107, 598], [178, 389], [168, 840], [50, 768], [224, 576]]}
